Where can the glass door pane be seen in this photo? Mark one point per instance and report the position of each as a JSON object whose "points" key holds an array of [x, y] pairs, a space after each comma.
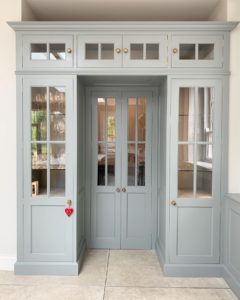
{"points": [[195, 142], [106, 141], [48, 141], [136, 141]]}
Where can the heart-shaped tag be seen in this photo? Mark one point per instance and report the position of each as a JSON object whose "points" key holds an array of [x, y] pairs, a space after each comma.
{"points": [[68, 211]]}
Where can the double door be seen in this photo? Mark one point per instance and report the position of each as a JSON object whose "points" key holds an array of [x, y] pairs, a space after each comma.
{"points": [[121, 169]]}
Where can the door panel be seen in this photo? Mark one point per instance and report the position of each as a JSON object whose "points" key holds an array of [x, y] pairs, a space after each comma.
{"points": [[195, 171], [106, 160], [49, 172], [136, 170]]}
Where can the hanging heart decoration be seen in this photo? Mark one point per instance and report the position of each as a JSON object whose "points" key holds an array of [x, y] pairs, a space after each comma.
{"points": [[69, 211]]}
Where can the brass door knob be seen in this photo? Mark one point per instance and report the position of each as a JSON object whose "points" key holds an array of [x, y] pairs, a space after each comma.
{"points": [[118, 50], [175, 50], [124, 190], [118, 190], [173, 202], [69, 50], [125, 50]]}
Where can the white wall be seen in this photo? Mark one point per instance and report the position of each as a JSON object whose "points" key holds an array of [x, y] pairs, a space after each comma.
{"points": [[10, 10], [220, 11], [233, 14]]}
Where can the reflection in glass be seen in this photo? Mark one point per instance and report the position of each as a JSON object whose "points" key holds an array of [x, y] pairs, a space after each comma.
{"points": [[131, 118], [141, 118], [39, 169], [131, 164], [152, 51], [186, 114], [185, 170], [91, 51], [187, 51], [39, 52], [57, 52], [57, 169], [206, 51], [101, 164], [136, 51], [101, 119], [57, 113], [141, 165], [204, 173], [111, 164], [107, 51], [39, 113], [204, 112], [111, 119]]}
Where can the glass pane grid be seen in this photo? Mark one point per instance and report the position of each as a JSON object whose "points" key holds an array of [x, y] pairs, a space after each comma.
{"points": [[136, 141], [195, 156], [106, 141], [48, 170]]}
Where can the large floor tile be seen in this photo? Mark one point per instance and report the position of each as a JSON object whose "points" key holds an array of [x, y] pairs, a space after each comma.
{"points": [[50, 293], [118, 293], [133, 257], [134, 275]]}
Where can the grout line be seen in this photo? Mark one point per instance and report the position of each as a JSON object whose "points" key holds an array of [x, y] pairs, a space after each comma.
{"points": [[106, 274]]}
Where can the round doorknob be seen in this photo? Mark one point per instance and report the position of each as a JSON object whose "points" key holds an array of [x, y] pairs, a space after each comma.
{"points": [[124, 190], [125, 50], [69, 50], [173, 202], [69, 202], [175, 50], [118, 190], [118, 50]]}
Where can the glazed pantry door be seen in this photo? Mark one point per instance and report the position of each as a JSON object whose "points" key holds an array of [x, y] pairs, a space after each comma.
{"points": [[48, 172], [106, 169], [195, 170], [136, 170]]}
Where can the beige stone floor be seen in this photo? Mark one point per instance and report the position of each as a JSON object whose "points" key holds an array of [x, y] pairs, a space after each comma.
{"points": [[115, 275]]}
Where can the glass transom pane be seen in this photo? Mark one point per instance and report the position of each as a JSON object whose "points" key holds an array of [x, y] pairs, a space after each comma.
{"points": [[206, 51], [91, 51], [187, 51], [57, 52], [107, 51], [136, 51], [152, 51], [39, 52]]}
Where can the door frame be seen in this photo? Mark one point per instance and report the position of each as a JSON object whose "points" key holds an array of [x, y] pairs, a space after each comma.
{"points": [[154, 153]]}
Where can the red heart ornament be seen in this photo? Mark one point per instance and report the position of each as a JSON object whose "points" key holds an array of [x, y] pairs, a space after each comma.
{"points": [[68, 211]]}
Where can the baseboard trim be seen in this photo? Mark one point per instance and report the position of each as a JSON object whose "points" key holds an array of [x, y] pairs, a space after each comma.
{"points": [[233, 283], [193, 270], [46, 268], [7, 263]]}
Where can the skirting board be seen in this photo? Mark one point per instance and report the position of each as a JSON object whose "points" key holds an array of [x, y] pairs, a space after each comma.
{"points": [[7, 263], [46, 268], [188, 270], [233, 283]]}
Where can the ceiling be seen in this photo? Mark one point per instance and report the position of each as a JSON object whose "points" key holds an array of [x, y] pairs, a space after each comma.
{"points": [[122, 10]]}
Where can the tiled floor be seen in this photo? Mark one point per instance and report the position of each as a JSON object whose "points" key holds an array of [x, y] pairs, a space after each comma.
{"points": [[115, 275]]}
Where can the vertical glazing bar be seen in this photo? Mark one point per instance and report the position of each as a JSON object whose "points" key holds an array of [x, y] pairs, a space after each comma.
{"points": [[136, 141], [195, 144], [48, 140], [106, 141]]}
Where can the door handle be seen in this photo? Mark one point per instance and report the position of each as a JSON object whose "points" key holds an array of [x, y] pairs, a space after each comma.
{"points": [[173, 202], [118, 190], [124, 190]]}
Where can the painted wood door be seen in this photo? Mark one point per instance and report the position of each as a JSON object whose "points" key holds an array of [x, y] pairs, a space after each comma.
{"points": [[195, 171], [121, 169], [48, 173]]}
